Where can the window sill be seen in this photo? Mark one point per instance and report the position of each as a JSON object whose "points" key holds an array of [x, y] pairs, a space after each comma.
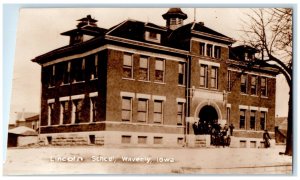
{"points": [[264, 97], [78, 82], [65, 84], [147, 81], [180, 85], [156, 82], [252, 95], [131, 79], [244, 94], [94, 79], [51, 87], [203, 88]]}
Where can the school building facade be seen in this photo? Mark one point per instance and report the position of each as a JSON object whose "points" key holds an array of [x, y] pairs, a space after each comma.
{"points": [[141, 84]]}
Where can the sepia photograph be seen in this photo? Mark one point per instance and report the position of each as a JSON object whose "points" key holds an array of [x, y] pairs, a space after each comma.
{"points": [[168, 90]]}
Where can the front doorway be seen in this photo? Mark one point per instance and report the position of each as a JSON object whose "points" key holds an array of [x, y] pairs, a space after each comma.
{"points": [[208, 117]]}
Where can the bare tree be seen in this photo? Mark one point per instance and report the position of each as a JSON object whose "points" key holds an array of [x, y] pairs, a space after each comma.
{"points": [[270, 31]]}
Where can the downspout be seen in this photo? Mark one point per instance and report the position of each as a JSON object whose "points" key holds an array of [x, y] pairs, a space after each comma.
{"points": [[186, 128]]}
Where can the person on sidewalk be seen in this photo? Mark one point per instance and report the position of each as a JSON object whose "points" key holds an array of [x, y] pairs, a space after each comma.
{"points": [[231, 127], [266, 138]]}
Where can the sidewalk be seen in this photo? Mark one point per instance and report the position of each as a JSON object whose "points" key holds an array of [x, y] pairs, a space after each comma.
{"points": [[163, 161]]}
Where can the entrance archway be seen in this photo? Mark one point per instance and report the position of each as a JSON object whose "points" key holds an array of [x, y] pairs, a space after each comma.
{"points": [[208, 114]]}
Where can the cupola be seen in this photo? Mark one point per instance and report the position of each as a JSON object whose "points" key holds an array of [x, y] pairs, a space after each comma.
{"points": [[174, 18]]}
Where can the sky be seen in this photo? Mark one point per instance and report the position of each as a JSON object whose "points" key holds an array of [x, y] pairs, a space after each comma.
{"points": [[39, 32]]}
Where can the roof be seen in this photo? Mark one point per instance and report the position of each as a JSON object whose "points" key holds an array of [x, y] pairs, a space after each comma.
{"points": [[22, 130], [33, 118], [25, 115], [174, 12]]}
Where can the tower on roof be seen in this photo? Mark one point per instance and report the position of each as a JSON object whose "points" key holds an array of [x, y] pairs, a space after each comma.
{"points": [[174, 18], [87, 21]]}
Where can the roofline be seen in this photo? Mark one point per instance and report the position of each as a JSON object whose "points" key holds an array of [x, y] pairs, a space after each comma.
{"points": [[155, 28], [145, 44], [228, 39], [117, 26]]}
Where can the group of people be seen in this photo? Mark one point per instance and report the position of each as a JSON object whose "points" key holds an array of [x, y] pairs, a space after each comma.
{"points": [[219, 135]]}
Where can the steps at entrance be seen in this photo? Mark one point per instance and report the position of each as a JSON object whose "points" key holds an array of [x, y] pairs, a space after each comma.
{"points": [[200, 142]]}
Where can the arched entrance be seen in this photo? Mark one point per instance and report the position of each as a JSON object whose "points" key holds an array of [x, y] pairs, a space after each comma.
{"points": [[208, 118], [208, 115]]}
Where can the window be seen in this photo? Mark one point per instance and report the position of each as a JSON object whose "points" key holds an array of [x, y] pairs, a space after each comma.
{"points": [[173, 21], [93, 109], [49, 139], [180, 113], [202, 49], [126, 139], [263, 86], [142, 139], [253, 85], [181, 72], [243, 83], [66, 68], [252, 120], [159, 70], [143, 70], [126, 108], [78, 70], [127, 66], [243, 144], [77, 110], [263, 117], [252, 144], [64, 112], [228, 114], [217, 52], [180, 140], [51, 75], [214, 78], [158, 111], [157, 140], [209, 49], [203, 75], [92, 65], [142, 110], [242, 118], [229, 81], [92, 139], [50, 113], [152, 35]]}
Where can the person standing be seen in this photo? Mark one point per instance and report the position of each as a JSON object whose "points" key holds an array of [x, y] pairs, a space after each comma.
{"points": [[231, 127], [266, 138]]}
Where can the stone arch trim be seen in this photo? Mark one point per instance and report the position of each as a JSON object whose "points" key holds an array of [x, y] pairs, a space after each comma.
{"points": [[207, 103]]}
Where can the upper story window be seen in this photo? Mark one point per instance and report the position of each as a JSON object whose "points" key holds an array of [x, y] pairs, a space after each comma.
{"points": [[50, 113], [173, 21], [214, 77], [263, 86], [180, 113], [142, 110], [66, 68], [126, 108], [249, 56], [127, 66], [92, 66], [263, 117], [77, 110], [244, 83], [209, 50], [217, 52], [203, 75], [159, 70], [51, 75], [252, 120], [77, 70], [144, 69], [229, 81], [242, 118], [254, 85], [158, 111], [64, 112], [152, 35], [202, 49], [181, 73]]}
